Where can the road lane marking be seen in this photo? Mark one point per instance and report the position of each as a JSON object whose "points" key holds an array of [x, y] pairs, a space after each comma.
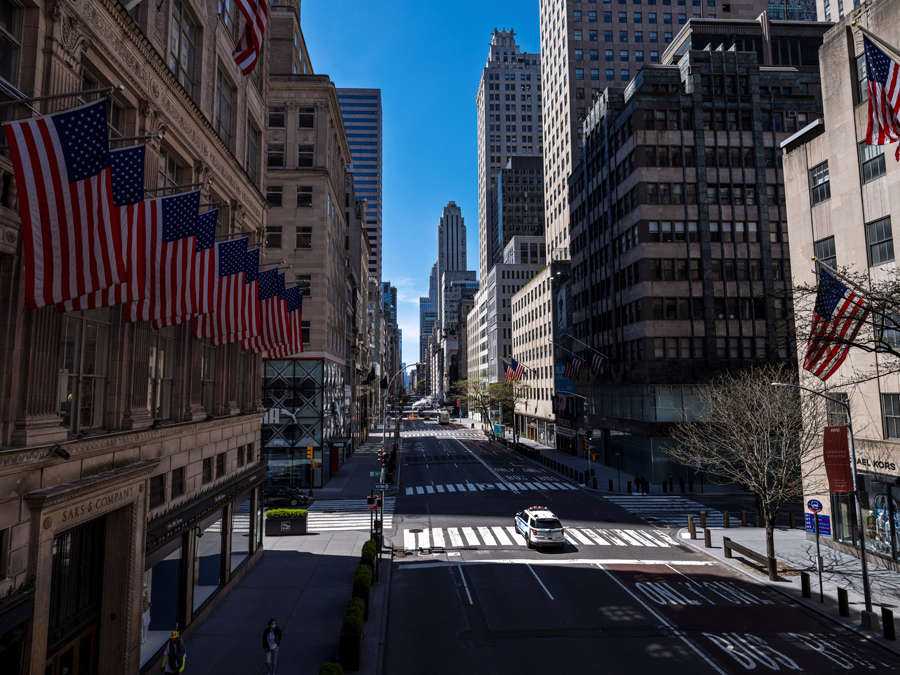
{"points": [[546, 590], [663, 621], [437, 536], [419, 490], [569, 538], [643, 536], [483, 463], [530, 486], [469, 534], [629, 537], [540, 486], [409, 490], [409, 540], [455, 540], [423, 539], [486, 536], [502, 487], [471, 488], [450, 487], [465, 585], [516, 535], [556, 561], [579, 536], [460, 487], [501, 536], [440, 488], [429, 489], [613, 538], [596, 537], [519, 486]]}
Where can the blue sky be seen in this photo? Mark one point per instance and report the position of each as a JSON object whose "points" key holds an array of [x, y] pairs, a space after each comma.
{"points": [[426, 57]]}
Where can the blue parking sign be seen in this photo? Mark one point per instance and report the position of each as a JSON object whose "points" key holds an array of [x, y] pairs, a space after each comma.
{"points": [[824, 524]]}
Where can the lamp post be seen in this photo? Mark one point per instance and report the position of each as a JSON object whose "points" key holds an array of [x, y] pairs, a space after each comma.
{"points": [[867, 593], [384, 412]]}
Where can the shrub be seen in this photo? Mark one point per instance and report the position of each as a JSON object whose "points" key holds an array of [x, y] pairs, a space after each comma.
{"points": [[356, 609], [368, 553], [286, 514], [362, 582], [331, 669], [351, 641]]}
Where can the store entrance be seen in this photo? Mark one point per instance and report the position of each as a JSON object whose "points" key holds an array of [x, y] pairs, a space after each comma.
{"points": [[76, 594]]}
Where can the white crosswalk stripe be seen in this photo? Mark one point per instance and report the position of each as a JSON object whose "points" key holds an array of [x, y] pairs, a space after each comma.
{"points": [[496, 535], [668, 510], [438, 432], [345, 514], [445, 488]]}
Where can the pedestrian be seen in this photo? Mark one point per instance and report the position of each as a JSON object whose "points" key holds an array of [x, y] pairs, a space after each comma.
{"points": [[271, 642], [174, 654]]}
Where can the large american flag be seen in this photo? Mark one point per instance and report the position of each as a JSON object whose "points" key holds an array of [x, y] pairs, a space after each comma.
{"points": [[246, 53], [250, 310], [573, 368], [71, 237], [293, 305], [167, 247], [838, 315], [273, 315], [226, 319], [127, 169], [883, 75], [514, 371], [597, 364]]}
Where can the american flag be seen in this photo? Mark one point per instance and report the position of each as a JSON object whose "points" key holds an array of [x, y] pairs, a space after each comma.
{"points": [[883, 75], [514, 371], [573, 368], [225, 321], [838, 315], [597, 364], [127, 168], [167, 246], [250, 319], [273, 328], [248, 47], [71, 237], [293, 302]]}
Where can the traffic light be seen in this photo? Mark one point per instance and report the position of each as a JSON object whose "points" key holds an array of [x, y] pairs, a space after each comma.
{"points": [[382, 457], [309, 453], [587, 444]]}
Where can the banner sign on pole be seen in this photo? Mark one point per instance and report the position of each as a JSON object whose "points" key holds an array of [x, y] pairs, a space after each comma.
{"points": [[836, 453]]}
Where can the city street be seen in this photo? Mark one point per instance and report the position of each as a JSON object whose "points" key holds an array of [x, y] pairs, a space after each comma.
{"points": [[469, 596]]}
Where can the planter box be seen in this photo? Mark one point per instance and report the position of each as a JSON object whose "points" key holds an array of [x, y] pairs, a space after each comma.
{"points": [[276, 527]]}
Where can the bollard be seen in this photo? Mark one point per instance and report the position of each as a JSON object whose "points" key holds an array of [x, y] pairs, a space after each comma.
{"points": [[743, 519], [681, 484], [793, 525], [804, 584], [887, 623], [692, 528], [843, 604], [664, 486], [707, 538], [671, 486], [629, 486], [726, 518], [703, 519], [610, 485], [594, 482]]}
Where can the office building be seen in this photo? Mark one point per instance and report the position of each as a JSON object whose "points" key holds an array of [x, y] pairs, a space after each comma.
{"points": [[509, 125], [361, 110], [842, 208]]}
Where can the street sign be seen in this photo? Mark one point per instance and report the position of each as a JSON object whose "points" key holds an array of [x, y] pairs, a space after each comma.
{"points": [[824, 523], [381, 486], [374, 474], [814, 505]]}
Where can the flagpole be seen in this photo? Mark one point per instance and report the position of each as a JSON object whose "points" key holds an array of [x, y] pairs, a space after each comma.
{"points": [[877, 39]]}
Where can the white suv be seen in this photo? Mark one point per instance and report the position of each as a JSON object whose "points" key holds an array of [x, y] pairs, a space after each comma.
{"points": [[540, 527]]}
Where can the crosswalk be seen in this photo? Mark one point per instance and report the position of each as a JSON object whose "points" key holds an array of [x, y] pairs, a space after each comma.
{"points": [[444, 433], [498, 536], [506, 486], [327, 515], [240, 520], [668, 510]]}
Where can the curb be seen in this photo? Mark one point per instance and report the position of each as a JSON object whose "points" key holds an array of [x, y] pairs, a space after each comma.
{"points": [[790, 593], [385, 617]]}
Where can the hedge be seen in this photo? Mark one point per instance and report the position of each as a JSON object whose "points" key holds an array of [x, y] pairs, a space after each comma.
{"points": [[286, 514], [331, 669], [362, 582], [350, 645], [368, 553]]}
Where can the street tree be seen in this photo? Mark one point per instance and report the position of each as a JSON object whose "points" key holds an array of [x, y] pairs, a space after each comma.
{"points": [[476, 397], [764, 439], [508, 395]]}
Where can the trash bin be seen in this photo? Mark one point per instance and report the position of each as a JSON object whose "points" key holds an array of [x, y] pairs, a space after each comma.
{"points": [[473, 425]]}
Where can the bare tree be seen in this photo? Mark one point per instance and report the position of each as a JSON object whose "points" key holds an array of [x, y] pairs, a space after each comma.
{"points": [[510, 394], [764, 439]]}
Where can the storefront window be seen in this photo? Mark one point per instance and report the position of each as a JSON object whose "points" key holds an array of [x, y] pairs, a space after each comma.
{"points": [[880, 504], [207, 560], [240, 531], [878, 521], [159, 615], [844, 520]]}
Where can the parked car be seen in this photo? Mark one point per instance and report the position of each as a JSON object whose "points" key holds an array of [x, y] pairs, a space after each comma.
{"points": [[540, 527], [282, 495]]}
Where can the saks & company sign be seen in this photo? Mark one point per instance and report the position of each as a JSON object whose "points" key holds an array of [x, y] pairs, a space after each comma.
{"points": [[99, 504]]}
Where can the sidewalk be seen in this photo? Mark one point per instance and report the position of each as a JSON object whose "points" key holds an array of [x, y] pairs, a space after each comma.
{"points": [[793, 549], [304, 582]]}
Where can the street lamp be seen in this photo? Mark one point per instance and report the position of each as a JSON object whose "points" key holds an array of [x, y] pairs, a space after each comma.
{"points": [[867, 593], [384, 412]]}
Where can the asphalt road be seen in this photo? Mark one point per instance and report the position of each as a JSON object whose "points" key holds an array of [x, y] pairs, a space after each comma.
{"points": [[469, 597]]}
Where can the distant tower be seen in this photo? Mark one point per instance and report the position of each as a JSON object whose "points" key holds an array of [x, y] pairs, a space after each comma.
{"points": [[451, 241], [509, 123]]}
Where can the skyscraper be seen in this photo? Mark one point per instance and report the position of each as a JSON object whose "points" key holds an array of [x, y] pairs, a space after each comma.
{"points": [[509, 123], [451, 241], [361, 110]]}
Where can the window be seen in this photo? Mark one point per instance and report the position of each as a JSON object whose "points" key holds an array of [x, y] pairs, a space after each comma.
{"points": [[304, 329], [579, 73], [890, 413], [819, 184], [220, 465], [862, 82], [276, 118], [880, 241], [304, 196], [654, 36], [207, 470], [183, 39], [871, 161], [274, 194], [595, 73], [254, 141], [824, 251], [160, 373], [177, 482], [273, 236], [638, 36], [305, 156], [304, 237], [306, 118], [208, 378], [275, 156], [157, 490], [304, 283], [228, 16], [623, 17], [171, 172], [887, 330], [638, 17], [623, 54], [82, 373], [10, 46], [608, 54], [240, 456], [654, 57], [610, 74]]}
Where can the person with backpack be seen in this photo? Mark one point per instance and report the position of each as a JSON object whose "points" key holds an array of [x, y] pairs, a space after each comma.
{"points": [[174, 654], [271, 641]]}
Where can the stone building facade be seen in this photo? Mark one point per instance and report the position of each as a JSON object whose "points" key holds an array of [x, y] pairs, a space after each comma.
{"points": [[843, 197], [130, 466]]}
